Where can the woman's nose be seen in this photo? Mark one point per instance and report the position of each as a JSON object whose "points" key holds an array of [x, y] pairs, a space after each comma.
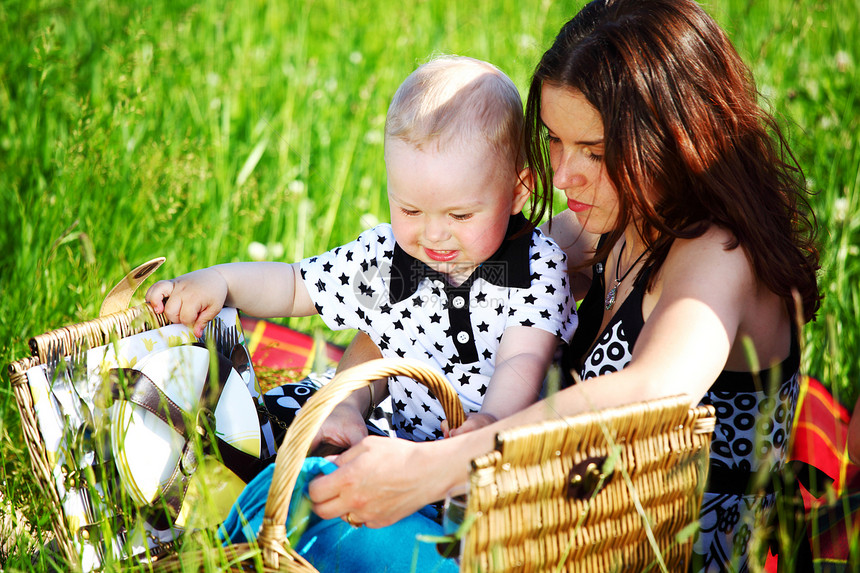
{"points": [[567, 174]]}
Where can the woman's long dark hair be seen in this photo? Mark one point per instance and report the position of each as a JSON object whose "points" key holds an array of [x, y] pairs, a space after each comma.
{"points": [[681, 120]]}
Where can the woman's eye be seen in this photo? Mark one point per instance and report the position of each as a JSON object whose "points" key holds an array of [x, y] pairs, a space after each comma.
{"points": [[464, 217], [591, 155], [552, 139]]}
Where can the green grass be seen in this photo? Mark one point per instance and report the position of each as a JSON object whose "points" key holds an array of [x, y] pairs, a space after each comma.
{"points": [[189, 130]]}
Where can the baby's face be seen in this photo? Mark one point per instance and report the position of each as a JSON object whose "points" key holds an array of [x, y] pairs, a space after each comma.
{"points": [[450, 209]]}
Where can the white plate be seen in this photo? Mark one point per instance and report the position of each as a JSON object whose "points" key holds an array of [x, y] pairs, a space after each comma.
{"points": [[236, 420], [146, 449]]}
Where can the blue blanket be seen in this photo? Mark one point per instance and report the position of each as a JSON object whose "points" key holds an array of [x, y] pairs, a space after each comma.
{"points": [[333, 545]]}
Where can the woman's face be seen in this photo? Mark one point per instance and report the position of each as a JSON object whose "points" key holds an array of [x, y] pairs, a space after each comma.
{"points": [[575, 135]]}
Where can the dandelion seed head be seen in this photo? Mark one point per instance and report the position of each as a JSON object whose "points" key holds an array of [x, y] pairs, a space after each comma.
{"points": [[369, 220], [356, 57], [257, 251], [526, 41], [296, 187], [842, 59], [374, 137], [275, 251], [840, 209], [768, 91]]}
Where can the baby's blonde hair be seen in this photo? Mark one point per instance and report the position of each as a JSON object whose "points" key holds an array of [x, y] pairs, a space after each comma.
{"points": [[456, 100]]}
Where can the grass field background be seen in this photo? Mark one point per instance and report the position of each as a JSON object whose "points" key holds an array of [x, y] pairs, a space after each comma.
{"points": [[191, 130]]}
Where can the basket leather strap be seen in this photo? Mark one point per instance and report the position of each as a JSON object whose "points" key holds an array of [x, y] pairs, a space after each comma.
{"points": [[135, 387]]}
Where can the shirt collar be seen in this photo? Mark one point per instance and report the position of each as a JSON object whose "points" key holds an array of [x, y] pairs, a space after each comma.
{"points": [[507, 267]]}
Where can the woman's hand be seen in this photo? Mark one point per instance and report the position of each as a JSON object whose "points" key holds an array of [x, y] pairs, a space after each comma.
{"points": [[382, 480], [192, 299]]}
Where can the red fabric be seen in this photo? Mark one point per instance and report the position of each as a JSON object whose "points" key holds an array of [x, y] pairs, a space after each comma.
{"points": [[279, 347], [820, 432], [832, 511]]}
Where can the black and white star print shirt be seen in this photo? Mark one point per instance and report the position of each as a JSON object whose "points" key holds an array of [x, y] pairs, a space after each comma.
{"points": [[410, 310]]}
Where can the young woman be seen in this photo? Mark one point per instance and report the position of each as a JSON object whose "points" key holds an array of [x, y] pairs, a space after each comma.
{"points": [[694, 256]]}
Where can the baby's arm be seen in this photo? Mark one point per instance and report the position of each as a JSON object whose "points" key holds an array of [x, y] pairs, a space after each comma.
{"points": [[264, 290], [522, 360]]}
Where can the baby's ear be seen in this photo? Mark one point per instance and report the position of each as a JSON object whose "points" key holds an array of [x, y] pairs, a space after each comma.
{"points": [[522, 190]]}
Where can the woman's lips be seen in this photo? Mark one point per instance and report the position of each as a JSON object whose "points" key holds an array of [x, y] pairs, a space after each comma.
{"points": [[576, 206], [441, 256]]}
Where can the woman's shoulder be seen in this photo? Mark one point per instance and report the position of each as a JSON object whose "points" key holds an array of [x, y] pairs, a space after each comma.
{"points": [[713, 259], [715, 243]]}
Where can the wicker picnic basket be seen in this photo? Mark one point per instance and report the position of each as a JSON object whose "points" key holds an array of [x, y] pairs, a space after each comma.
{"points": [[540, 499], [89, 520], [47, 349], [603, 491]]}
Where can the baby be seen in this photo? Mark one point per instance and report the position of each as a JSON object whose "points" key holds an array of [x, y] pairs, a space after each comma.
{"points": [[459, 278]]}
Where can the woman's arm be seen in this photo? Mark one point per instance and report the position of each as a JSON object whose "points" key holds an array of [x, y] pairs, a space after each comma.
{"points": [[681, 350]]}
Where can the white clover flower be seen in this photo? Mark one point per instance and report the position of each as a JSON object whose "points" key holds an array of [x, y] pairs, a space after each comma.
{"points": [[213, 79], [257, 251], [331, 84], [368, 220], [215, 103], [296, 187], [356, 57], [840, 209]]}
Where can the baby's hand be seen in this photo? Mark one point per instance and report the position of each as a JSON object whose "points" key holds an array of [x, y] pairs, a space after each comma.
{"points": [[192, 299], [343, 428], [473, 422]]}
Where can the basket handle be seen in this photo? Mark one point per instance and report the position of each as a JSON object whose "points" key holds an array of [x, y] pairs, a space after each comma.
{"points": [[300, 434]]}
